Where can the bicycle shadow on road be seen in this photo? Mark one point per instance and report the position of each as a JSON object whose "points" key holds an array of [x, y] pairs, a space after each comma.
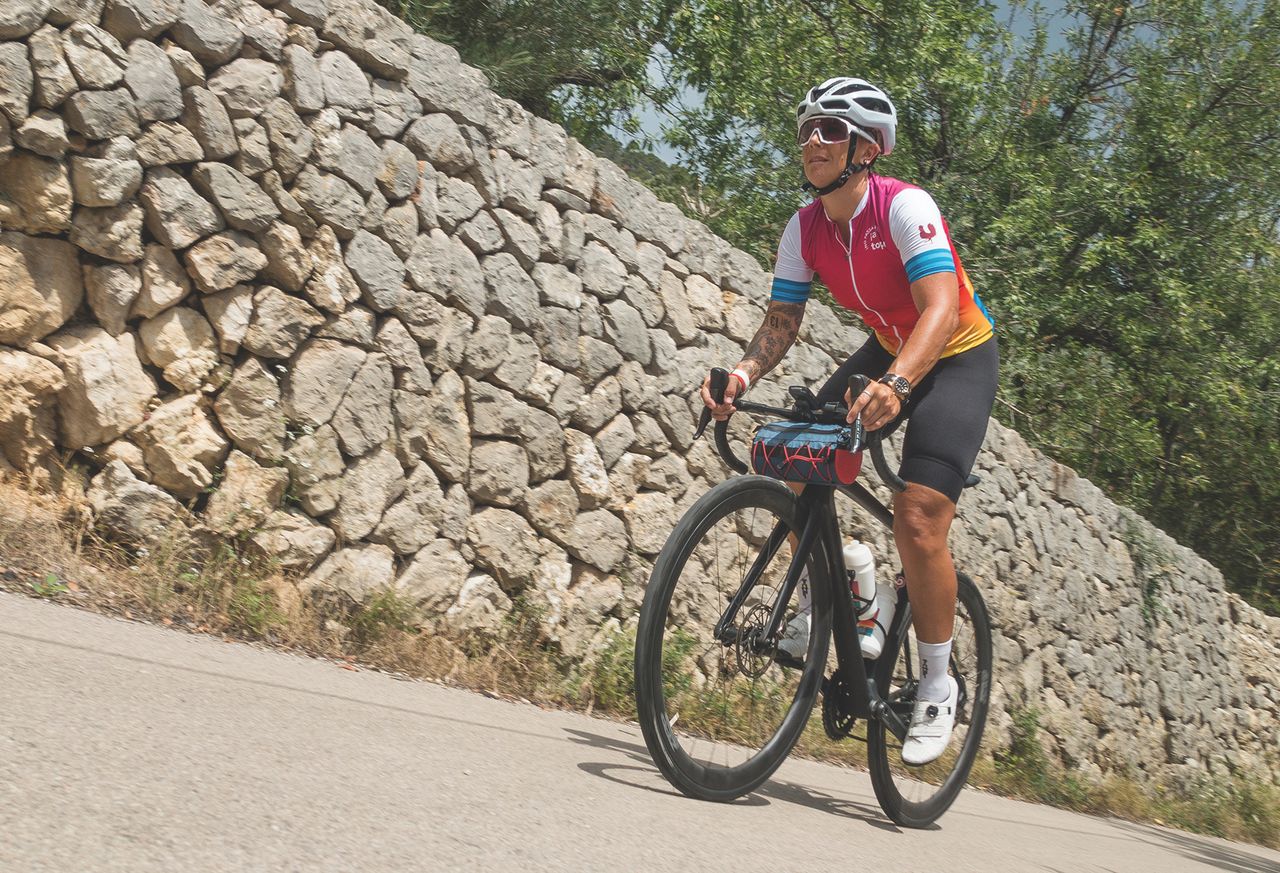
{"points": [[773, 790]]}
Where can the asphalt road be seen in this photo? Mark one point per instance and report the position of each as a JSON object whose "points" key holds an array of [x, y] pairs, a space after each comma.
{"points": [[130, 747]]}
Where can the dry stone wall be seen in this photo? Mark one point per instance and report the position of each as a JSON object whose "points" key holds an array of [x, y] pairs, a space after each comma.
{"points": [[290, 272]]}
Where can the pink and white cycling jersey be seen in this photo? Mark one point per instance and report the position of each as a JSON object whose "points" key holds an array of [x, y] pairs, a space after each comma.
{"points": [[897, 235]]}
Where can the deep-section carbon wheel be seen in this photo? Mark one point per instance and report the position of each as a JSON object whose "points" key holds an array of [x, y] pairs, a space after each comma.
{"points": [[720, 713], [916, 796]]}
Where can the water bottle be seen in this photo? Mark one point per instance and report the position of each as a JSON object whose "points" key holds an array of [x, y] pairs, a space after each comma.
{"points": [[875, 603]]}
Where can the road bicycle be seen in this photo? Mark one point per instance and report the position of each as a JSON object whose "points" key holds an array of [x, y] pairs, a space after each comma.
{"points": [[721, 706]]}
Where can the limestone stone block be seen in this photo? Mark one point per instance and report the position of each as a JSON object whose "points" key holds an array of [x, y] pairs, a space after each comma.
{"points": [[437, 138], [398, 172], [16, 82], [249, 410], [164, 282], [482, 234], [481, 608], [246, 496], [280, 323], [601, 272], [224, 260], [139, 20], [40, 287], [112, 290], [212, 38], [42, 133], [164, 143], [186, 67], [205, 115], [456, 201], [505, 545], [316, 465], [512, 293], [400, 225], [289, 264], [587, 471], [346, 150], [105, 181], [103, 114], [499, 473], [363, 420], [149, 76], [21, 17], [346, 87], [649, 520], [599, 538], [230, 313], [331, 285], [597, 358], [357, 572], [368, 487], [434, 578], [132, 512], [376, 269], [329, 200], [497, 413], [53, 81], [254, 155], [111, 232], [319, 379], [414, 520], [247, 85], [293, 541], [107, 391], [446, 269], [35, 194], [29, 389], [303, 82], [64, 12], [181, 342], [181, 446], [614, 439], [290, 139], [176, 215], [243, 204], [94, 55]]}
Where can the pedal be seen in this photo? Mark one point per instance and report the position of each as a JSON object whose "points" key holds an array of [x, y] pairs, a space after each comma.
{"points": [[782, 659]]}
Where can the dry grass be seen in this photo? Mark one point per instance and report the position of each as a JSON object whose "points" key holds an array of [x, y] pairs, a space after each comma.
{"points": [[47, 549]]}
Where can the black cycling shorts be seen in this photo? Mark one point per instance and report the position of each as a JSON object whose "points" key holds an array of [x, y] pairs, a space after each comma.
{"points": [[947, 411]]}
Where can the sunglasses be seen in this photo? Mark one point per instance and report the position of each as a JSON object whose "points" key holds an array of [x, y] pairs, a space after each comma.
{"points": [[830, 131]]}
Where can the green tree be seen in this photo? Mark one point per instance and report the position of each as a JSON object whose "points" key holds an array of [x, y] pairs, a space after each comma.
{"points": [[1115, 198]]}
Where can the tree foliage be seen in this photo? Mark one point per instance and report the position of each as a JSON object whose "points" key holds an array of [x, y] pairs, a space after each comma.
{"points": [[1111, 172]]}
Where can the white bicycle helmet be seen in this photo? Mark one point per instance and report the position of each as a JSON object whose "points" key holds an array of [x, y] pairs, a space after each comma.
{"points": [[858, 102]]}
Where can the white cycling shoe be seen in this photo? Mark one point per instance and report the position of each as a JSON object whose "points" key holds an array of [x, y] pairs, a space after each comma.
{"points": [[795, 639], [931, 726]]}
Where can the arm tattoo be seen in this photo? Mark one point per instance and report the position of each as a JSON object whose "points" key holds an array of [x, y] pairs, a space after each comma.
{"points": [[775, 336]]}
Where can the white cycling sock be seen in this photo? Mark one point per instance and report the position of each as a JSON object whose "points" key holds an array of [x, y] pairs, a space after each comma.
{"points": [[933, 671], [806, 596]]}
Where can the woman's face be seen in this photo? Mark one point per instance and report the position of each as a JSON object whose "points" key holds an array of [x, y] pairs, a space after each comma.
{"points": [[824, 162]]}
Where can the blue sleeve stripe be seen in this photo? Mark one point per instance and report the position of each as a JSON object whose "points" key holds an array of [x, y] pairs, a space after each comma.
{"points": [[930, 262], [790, 292]]}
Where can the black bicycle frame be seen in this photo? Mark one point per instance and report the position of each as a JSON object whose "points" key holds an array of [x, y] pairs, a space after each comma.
{"points": [[817, 515]]}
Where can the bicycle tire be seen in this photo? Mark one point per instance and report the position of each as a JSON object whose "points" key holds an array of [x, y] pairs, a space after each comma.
{"points": [[705, 779], [915, 797]]}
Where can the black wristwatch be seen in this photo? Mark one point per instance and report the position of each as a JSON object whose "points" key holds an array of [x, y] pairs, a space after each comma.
{"points": [[898, 385]]}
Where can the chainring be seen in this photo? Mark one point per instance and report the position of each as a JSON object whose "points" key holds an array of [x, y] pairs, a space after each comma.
{"points": [[835, 721]]}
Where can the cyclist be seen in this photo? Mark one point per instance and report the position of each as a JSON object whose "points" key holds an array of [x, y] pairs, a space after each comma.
{"points": [[883, 250]]}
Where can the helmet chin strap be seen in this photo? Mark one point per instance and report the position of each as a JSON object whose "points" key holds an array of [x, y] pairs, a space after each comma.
{"points": [[850, 170]]}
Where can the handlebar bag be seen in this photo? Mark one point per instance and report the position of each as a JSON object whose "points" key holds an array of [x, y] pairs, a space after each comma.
{"points": [[819, 454]]}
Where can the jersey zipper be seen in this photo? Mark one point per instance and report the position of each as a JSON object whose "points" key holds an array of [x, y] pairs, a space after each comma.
{"points": [[848, 252]]}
